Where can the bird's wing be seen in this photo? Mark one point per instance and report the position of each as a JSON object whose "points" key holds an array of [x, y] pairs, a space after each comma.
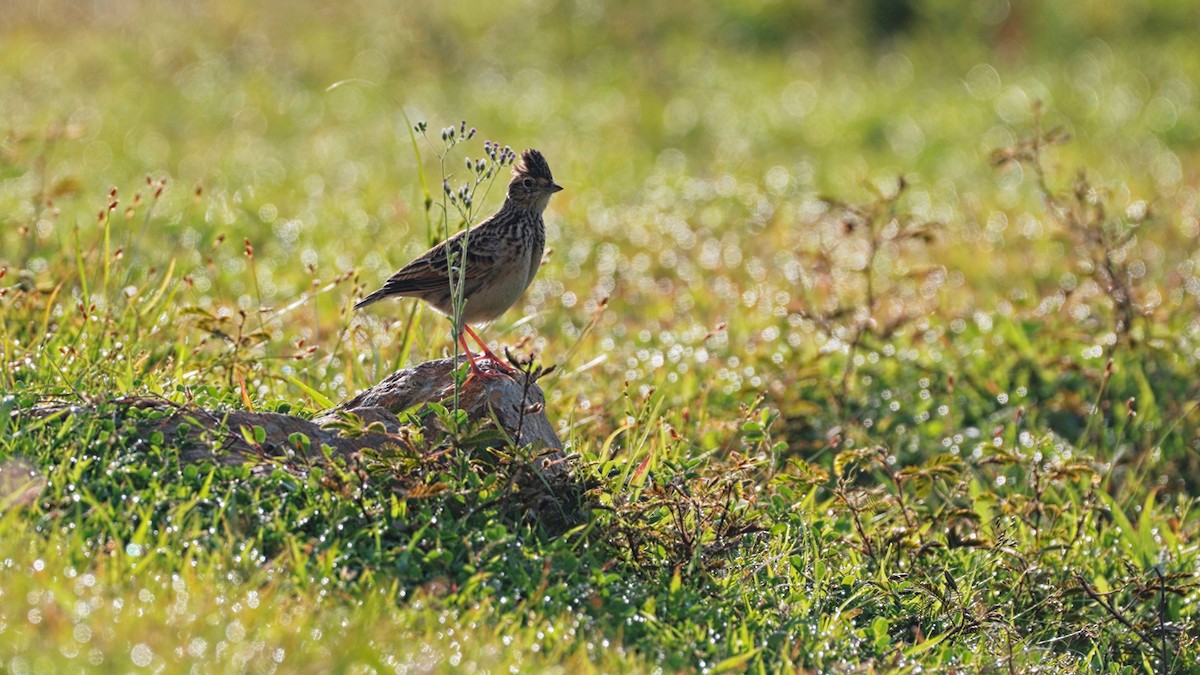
{"points": [[432, 270]]}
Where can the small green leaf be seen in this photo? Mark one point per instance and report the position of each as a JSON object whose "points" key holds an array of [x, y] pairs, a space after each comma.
{"points": [[1129, 534], [317, 397], [921, 648], [879, 632], [737, 662], [300, 441]]}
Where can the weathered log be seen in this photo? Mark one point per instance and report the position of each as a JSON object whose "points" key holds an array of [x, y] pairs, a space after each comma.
{"points": [[515, 404]]}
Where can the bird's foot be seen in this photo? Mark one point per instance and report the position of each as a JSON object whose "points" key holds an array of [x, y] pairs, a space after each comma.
{"points": [[487, 372], [500, 364], [488, 367]]}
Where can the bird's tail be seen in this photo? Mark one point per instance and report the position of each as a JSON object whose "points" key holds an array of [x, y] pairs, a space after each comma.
{"points": [[370, 299]]}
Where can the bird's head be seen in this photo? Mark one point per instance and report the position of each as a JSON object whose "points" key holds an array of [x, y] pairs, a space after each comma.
{"points": [[532, 184]]}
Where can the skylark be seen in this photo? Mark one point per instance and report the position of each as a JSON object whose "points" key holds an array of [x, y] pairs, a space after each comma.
{"points": [[501, 256]]}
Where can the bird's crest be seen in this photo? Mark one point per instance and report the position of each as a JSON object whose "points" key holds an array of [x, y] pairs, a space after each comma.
{"points": [[532, 164]]}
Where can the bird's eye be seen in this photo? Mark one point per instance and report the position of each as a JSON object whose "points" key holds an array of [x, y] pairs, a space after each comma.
{"points": [[527, 183]]}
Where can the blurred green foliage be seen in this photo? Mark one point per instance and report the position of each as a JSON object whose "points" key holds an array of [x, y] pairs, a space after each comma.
{"points": [[876, 323]]}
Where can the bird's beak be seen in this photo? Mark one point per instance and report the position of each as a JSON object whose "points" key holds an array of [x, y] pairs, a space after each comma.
{"points": [[555, 187]]}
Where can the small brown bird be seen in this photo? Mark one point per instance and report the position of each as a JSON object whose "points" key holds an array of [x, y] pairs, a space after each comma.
{"points": [[502, 255]]}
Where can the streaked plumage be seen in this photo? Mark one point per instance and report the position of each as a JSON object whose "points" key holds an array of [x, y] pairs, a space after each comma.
{"points": [[502, 255]]}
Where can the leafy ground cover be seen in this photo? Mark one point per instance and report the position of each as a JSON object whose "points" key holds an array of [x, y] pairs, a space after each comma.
{"points": [[876, 333]]}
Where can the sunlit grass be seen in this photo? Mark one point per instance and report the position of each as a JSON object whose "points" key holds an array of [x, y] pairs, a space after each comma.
{"points": [[101, 617], [864, 363]]}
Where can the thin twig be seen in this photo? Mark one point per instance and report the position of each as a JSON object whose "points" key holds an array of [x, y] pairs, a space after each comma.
{"points": [[1112, 611]]}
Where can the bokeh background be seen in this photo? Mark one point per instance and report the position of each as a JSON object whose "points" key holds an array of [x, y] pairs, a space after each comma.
{"points": [[784, 233], [695, 144]]}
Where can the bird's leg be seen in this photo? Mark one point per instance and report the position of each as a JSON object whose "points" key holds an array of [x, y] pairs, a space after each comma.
{"points": [[488, 353], [475, 369]]}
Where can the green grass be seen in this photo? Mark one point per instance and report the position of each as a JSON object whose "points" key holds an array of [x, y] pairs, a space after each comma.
{"points": [[825, 419]]}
